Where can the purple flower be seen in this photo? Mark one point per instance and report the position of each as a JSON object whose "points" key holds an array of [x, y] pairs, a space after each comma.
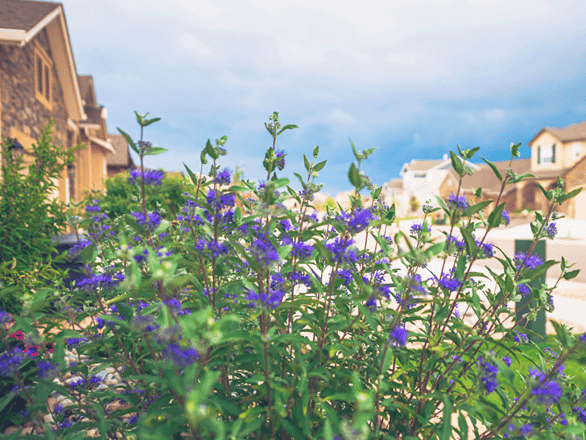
{"points": [[223, 177], [152, 221], [264, 252], [357, 221], [95, 380], [449, 283], [532, 261], [372, 304], [525, 430], [93, 206], [302, 250], [521, 337], [280, 164], [545, 391], [417, 229], [488, 373], [5, 317], [506, 218], [94, 281], [10, 361], [218, 201], [151, 177], [74, 342], [551, 230], [508, 361], [146, 323], [46, 369], [459, 203], [131, 420], [487, 250], [180, 357], [460, 245], [399, 336], [286, 225], [298, 277], [342, 253], [583, 340], [80, 383], [306, 194], [524, 290]]}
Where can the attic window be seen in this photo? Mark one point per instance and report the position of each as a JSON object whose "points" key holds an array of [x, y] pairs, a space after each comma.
{"points": [[546, 154], [43, 69]]}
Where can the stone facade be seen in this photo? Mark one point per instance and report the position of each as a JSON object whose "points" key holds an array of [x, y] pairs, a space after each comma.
{"points": [[21, 110]]}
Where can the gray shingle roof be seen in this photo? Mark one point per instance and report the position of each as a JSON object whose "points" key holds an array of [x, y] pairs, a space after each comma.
{"points": [[23, 15], [122, 156], [86, 90], [94, 113]]}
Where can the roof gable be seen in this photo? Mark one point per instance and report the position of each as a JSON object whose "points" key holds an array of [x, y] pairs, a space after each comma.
{"points": [[21, 20], [574, 132]]}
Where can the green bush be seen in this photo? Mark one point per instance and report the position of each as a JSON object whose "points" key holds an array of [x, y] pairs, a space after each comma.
{"points": [[256, 322]]}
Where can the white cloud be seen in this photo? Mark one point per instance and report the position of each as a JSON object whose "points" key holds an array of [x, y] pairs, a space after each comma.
{"points": [[339, 116], [192, 44], [494, 115]]}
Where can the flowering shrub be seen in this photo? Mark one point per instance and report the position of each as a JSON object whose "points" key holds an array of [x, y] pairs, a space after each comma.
{"points": [[238, 318]]}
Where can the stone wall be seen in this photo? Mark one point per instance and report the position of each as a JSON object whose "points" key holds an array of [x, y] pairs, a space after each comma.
{"points": [[21, 110]]}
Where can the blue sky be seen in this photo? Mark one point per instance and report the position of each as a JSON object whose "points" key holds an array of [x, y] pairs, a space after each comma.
{"points": [[412, 78]]}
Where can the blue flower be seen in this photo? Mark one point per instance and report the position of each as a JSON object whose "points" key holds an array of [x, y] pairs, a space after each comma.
{"points": [[80, 383], [399, 336], [342, 253], [459, 203], [488, 373], [46, 369], [372, 304], [551, 230], [151, 177], [280, 164], [302, 250], [524, 290], [264, 252], [506, 218], [521, 337], [223, 177], [5, 317], [532, 261], [74, 342], [417, 229], [180, 357], [449, 283], [218, 201], [508, 361], [152, 221], [298, 277]]}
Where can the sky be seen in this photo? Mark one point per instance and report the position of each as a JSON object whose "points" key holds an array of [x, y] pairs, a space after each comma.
{"points": [[411, 78]]}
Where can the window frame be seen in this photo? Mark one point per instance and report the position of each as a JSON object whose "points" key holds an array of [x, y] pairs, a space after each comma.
{"points": [[44, 78]]}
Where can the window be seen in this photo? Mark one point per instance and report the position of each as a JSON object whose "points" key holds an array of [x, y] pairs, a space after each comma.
{"points": [[576, 150], [546, 154], [43, 69]]}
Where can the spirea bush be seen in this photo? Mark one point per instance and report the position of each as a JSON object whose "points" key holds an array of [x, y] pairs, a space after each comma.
{"points": [[241, 319]]}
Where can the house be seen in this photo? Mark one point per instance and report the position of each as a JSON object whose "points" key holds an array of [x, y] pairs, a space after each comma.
{"points": [[39, 81], [420, 180], [554, 152], [120, 160]]}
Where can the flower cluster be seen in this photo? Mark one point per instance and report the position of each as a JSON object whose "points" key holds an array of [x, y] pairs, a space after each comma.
{"points": [[151, 177], [457, 203], [488, 372]]}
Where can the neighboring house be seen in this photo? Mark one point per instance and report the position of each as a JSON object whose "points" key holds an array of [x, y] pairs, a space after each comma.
{"points": [[554, 152], [421, 180], [38, 81], [120, 160]]}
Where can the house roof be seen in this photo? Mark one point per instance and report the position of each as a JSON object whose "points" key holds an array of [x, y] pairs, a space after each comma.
{"points": [[24, 15], [423, 165], [86, 89], [21, 21], [121, 155], [395, 183], [94, 113], [485, 178], [574, 132]]}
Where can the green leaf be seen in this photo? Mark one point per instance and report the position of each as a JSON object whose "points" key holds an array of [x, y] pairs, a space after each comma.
{"points": [[463, 425], [570, 195], [471, 210], [457, 164], [130, 141], [354, 177], [562, 334], [547, 194], [148, 122], [192, 176], [316, 151], [377, 192], [496, 217], [155, 151], [494, 169], [287, 127], [318, 167], [572, 274], [306, 163], [211, 150], [521, 177], [515, 149], [446, 428], [471, 246]]}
